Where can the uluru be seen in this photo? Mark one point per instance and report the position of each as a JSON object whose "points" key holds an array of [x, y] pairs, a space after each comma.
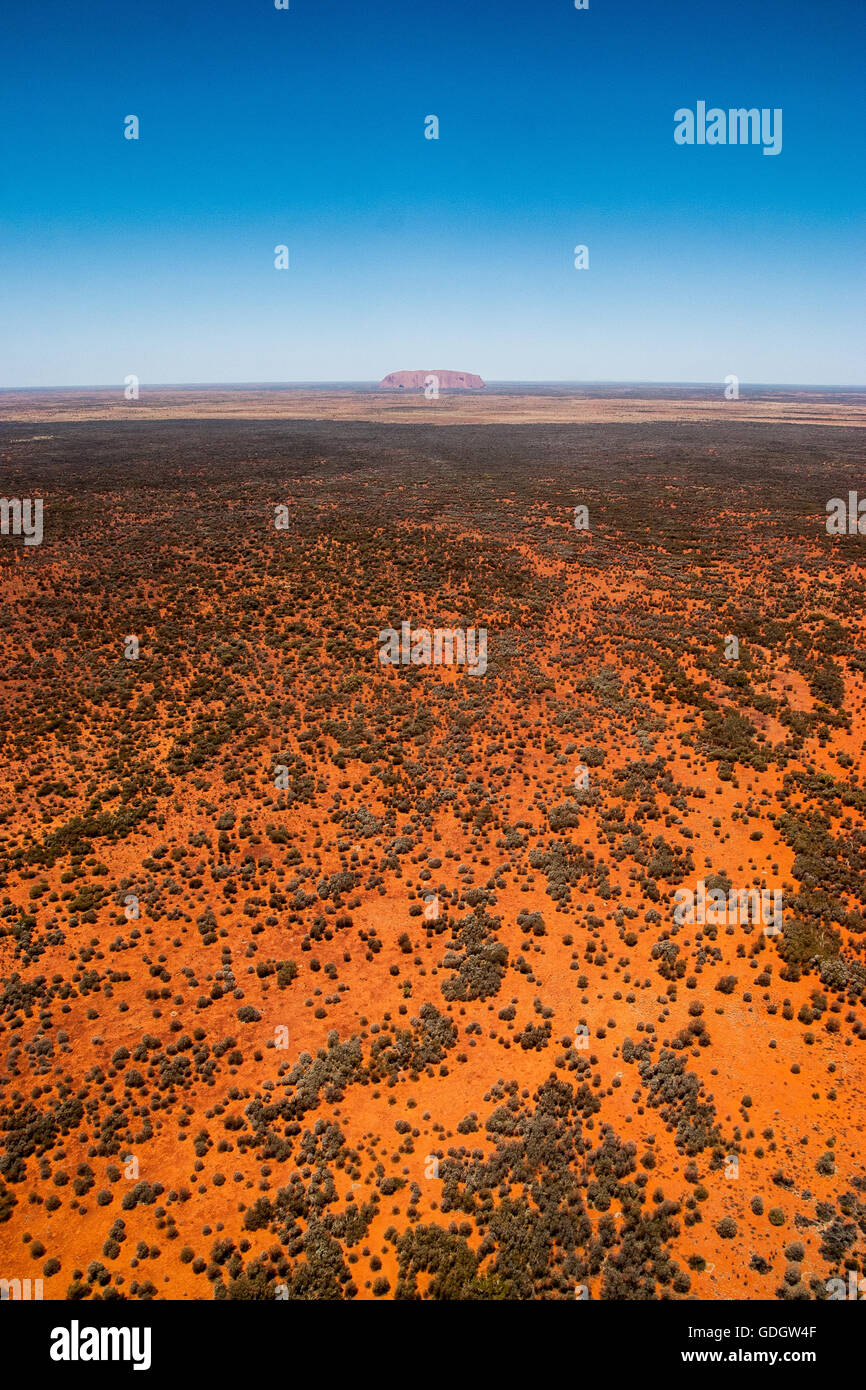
{"points": [[416, 381]]}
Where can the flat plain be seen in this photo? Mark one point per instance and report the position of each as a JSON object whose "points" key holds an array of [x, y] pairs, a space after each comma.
{"points": [[498, 404], [324, 979]]}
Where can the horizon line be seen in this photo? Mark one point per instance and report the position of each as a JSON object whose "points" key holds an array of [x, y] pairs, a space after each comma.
{"points": [[368, 383]]}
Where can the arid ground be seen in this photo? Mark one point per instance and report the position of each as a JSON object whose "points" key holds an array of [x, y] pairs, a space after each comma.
{"points": [[328, 979], [498, 404]]}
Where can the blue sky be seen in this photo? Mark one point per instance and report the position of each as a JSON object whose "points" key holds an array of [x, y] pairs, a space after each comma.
{"points": [[305, 127]]}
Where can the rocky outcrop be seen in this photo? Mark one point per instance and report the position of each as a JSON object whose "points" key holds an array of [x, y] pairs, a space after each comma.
{"points": [[446, 381]]}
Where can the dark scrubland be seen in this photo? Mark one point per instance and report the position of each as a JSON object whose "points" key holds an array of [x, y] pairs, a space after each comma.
{"points": [[237, 1060]]}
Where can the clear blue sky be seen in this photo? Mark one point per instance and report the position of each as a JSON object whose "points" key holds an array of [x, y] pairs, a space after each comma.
{"points": [[306, 127]]}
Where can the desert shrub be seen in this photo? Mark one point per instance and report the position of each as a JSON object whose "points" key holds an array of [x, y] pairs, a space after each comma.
{"points": [[802, 942], [8, 1200], [592, 757], [286, 972]]}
